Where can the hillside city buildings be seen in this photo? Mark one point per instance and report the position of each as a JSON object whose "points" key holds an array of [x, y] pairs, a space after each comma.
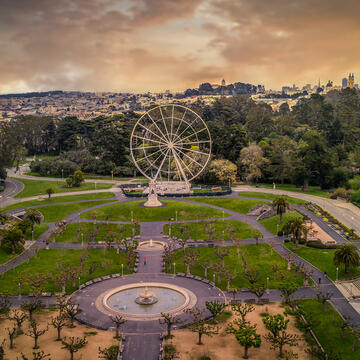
{"points": [[87, 105]]}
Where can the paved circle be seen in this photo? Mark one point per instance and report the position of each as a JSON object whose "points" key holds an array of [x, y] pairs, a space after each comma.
{"points": [[91, 315]]}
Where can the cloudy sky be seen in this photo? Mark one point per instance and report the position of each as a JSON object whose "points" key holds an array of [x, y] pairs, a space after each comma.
{"points": [[153, 45]]}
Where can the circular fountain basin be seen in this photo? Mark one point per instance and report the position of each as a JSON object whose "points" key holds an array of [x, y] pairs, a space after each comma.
{"points": [[170, 299], [153, 246]]}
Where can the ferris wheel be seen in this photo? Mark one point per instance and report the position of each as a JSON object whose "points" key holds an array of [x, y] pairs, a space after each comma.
{"points": [[171, 143]]}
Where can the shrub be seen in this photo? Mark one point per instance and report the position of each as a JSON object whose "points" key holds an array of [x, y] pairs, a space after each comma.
{"points": [[319, 245], [354, 183]]}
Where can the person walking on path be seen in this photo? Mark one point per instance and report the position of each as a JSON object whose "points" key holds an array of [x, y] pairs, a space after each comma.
{"points": [[144, 260]]}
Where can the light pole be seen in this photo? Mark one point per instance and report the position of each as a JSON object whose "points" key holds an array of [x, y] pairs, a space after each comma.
{"points": [[214, 278], [132, 216], [267, 285], [62, 174], [176, 215], [337, 274], [223, 213], [32, 234], [174, 268], [95, 184], [79, 282], [19, 290], [122, 270], [277, 229], [112, 174], [82, 240]]}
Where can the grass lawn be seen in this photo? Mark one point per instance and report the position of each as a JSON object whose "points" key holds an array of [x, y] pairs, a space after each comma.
{"points": [[272, 222], [45, 261], [261, 195], [38, 230], [60, 199], [312, 190], [5, 255], [241, 206], [35, 187], [197, 230], [257, 256], [122, 211], [70, 234], [326, 330], [323, 260], [59, 212]]}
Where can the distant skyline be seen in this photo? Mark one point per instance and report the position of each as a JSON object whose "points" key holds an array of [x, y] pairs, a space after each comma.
{"points": [[154, 45]]}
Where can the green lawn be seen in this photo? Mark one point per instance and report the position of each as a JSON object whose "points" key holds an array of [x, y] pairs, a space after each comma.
{"points": [[262, 195], [70, 234], [272, 222], [5, 255], [241, 206], [122, 211], [59, 212], [45, 261], [326, 330], [38, 230], [312, 190], [197, 230], [257, 256], [35, 187], [60, 199], [323, 260]]}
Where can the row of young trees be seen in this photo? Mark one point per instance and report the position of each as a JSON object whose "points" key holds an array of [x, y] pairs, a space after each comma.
{"points": [[68, 311]]}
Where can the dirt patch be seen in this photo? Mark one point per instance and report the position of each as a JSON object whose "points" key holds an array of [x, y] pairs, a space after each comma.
{"points": [[224, 346], [23, 343]]}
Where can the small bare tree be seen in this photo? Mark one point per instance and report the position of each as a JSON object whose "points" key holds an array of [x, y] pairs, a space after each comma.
{"points": [[190, 258], [222, 252], [323, 296], [118, 320], [206, 266], [169, 320], [19, 317], [73, 344], [31, 305], [58, 322], [35, 332], [71, 310], [11, 332]]}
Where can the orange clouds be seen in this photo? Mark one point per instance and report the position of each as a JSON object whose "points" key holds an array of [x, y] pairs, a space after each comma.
{"points": [[141, 45]]}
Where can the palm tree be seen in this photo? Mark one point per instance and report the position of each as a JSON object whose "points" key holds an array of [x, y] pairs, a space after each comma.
{"points": [[348, 255], [281, 204], [297, 228], [33, 216]]}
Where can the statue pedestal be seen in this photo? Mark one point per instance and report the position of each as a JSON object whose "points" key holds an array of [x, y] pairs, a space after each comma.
{"points": [[152, 198]]}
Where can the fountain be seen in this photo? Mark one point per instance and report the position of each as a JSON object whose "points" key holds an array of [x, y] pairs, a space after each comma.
{"points": [[151, 243], [146, 298]]}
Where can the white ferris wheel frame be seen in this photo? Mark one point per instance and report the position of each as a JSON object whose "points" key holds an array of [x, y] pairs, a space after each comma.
{"points": [[166, 143]]}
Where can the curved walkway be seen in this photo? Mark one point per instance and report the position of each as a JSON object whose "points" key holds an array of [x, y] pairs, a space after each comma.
{"points": [[347, 213]]}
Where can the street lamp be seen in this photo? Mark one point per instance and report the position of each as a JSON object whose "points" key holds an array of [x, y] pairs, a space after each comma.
{"points": [[95, 184], [214, 278], [62, 173], [176, 215], [223, 213], [122, 270], [267, 285], [32, 234], [79, 282], [337, 274], [112, 174], [277, 229], [132, 216], [82, 240], [174, 268]]}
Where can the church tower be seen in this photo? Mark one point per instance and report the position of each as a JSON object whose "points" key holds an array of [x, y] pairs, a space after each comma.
{"points": [[351, 81]]}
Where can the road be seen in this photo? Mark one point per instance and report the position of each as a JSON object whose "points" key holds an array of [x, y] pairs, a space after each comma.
{"points": [[347, 213]]}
